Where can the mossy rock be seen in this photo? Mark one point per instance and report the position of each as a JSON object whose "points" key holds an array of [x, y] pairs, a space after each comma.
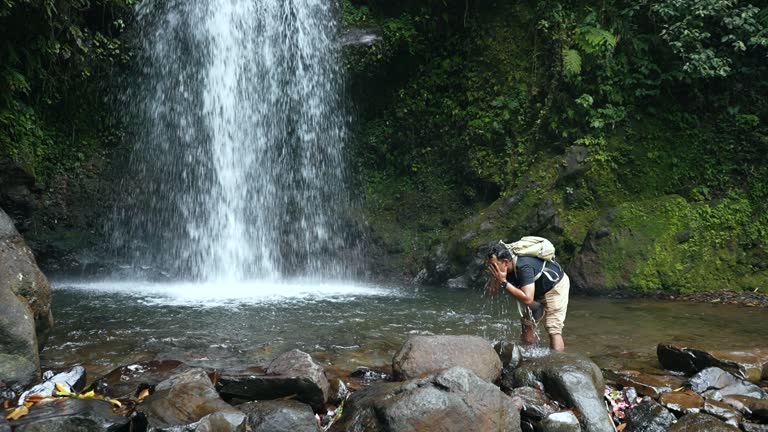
{"points": [[669, 244]]}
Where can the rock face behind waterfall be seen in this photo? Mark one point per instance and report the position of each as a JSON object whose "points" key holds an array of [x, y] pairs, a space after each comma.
{"points": [[25, 309]]}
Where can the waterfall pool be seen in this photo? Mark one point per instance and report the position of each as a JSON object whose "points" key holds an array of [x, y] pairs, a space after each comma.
{"points": [[346, 325]]}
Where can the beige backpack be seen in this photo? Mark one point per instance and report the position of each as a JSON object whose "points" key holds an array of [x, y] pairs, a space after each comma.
{"points": [[538, 247]]}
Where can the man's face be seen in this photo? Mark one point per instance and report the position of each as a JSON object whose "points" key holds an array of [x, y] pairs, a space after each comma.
{"points": [[495, 261]]}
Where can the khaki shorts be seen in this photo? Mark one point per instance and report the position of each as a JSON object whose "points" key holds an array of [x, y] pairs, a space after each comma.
{"points": [[555, 304]]}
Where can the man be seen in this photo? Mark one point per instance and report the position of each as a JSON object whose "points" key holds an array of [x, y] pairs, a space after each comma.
{"points": [[539, 286]]}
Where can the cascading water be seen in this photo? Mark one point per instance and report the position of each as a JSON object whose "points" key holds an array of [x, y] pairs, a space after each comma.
{"points": [[239, 124]]}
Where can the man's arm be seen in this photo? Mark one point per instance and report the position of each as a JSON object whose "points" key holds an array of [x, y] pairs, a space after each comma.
{"points": [[524, 294]]}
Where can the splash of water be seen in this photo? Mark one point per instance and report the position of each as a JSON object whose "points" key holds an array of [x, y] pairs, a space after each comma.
{"points": [[237, 114]]}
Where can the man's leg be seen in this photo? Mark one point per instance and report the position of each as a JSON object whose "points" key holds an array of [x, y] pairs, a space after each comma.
{"points": [[556, 303], [556, 342]]}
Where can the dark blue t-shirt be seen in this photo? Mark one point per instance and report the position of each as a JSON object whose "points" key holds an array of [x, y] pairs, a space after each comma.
{"points": [[527, 270]]}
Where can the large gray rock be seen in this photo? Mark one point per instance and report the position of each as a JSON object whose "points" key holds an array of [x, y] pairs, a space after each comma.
{"points": [[279, 416], [425, 355], [25, 307], [698, 422], [572, 379], [20, 274], [189, 402], [71, 415], [453, 400], [19, 359]]}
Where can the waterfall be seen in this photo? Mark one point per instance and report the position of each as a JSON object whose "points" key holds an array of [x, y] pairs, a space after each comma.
{"points": [[236, 111]]}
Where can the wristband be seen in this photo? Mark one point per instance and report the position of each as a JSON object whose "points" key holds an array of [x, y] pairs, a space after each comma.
{"points": [[504, 285]]}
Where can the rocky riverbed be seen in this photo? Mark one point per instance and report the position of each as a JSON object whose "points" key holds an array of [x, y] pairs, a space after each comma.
{"points": [[435, 383]]}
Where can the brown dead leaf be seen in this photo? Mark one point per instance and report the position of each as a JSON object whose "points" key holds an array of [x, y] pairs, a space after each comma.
{"points": [[18, 413], [35, 398]]}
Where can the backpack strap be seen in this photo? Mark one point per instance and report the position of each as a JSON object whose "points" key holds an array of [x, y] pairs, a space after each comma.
{"points": [[549, 272]]}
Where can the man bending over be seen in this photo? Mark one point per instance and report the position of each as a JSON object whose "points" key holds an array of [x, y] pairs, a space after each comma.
{"points": [[540, 287]]}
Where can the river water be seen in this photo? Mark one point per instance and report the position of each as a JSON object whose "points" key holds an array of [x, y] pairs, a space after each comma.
{"points": [[104, 325]]}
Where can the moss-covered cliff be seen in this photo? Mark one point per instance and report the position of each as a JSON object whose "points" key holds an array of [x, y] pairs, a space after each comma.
{"points": [[588, 125]]}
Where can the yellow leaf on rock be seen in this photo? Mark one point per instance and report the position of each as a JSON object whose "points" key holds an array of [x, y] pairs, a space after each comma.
{"points": [[116, 403], [18, 413], [144, 393], [63, 388], [88, 395]]}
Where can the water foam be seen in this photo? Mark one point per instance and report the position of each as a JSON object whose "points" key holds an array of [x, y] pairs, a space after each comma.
{"points": [[215, 294]]}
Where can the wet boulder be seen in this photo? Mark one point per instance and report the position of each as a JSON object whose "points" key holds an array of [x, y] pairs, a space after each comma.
{"points": [[279, 416], [699, 422], [19, 273], [723, 411], [754, 408], [188, 401], [645, 385], [296, 363], [452, 400], [571, 379], [725, 383], [425, 355], [745, 426], [751, 365], [648, 416], [25, 307], [73, 378], [291, 374], [71, 415], [682, 402], [564, 421]]}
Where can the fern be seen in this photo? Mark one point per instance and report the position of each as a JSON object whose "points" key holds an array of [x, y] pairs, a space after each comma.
{"points": [[592, 38], [571, 62]]}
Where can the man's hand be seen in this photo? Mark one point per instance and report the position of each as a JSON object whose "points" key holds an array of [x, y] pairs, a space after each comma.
{"points": [[497, 272]]}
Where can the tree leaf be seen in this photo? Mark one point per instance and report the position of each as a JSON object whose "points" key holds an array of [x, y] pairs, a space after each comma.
{"points": [[571, 62]]}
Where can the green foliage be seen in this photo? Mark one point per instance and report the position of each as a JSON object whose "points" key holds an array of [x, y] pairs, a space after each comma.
{"points": [[711, 36], [571, 63], [54, 64]]}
